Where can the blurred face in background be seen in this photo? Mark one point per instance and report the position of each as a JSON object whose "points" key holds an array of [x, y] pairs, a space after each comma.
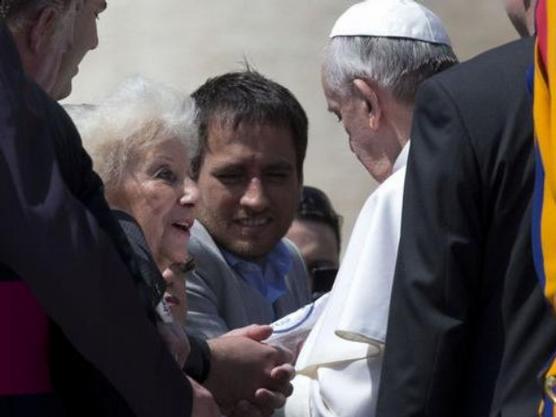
{"points": [[318, 245], [85, 39]]}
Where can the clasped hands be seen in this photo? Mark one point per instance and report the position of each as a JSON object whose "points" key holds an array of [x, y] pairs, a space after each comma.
{"points": [[247, 378]]}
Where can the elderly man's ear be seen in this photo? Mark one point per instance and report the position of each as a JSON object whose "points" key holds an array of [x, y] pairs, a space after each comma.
{"points": [[369, 94], [42, 29]]}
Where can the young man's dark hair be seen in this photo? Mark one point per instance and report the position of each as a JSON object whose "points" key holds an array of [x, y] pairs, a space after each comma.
{"points": [[249, 97]]}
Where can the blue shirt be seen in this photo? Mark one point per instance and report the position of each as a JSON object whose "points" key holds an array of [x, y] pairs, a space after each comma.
{"points": [[268, 276]]}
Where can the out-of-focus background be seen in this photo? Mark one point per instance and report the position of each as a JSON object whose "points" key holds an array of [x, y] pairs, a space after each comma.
{"points": [[183, 42]]}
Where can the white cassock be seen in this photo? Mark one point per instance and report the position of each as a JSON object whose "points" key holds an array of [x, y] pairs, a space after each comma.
{"points": [[338, 369]]}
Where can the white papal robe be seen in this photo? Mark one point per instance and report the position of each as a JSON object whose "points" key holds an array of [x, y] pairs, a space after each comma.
{"points": [[338, 369]]}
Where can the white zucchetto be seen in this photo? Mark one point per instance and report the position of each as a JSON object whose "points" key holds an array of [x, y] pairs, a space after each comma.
{"points": [[391, 19]]}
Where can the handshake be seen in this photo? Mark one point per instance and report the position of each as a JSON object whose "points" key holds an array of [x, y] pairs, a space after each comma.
{"points": [[247, 378]]}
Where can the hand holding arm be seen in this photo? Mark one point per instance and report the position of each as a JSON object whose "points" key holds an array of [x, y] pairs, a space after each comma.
{"points": [[176, 340], [265, 370], [203, 402]]}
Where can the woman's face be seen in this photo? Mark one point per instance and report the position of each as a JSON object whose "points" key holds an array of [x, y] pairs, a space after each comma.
{"points": [[160, 195]]}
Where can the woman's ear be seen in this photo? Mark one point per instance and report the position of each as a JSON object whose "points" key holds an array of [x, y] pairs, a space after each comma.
{"points": [[369, 93]]}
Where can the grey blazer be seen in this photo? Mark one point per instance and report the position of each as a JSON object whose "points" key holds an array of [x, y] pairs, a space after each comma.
{"points": [[220, 300]]}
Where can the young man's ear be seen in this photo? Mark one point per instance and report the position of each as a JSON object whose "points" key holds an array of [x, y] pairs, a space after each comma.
{"points": [[42, 29], [368, 92]]}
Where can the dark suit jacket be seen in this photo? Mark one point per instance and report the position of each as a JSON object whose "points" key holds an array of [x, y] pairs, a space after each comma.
{"points": [[469, 329], [48, 238]]}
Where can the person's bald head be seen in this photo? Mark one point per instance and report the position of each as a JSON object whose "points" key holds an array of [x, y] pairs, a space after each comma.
{"points": [[522, 15]]}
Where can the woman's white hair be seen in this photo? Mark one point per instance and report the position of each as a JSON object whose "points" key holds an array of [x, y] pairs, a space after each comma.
{"points": [[140, 114], [394, 63]]}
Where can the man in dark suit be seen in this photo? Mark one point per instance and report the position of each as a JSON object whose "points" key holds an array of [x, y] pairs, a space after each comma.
{"points": [[43, 155], [469, 329], [43, 33], [68, 262]]}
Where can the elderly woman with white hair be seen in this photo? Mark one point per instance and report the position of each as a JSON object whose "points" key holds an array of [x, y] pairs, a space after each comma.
{"points": [[141, 140]]}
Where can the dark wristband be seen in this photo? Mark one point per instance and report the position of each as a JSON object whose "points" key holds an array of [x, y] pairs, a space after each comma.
{"points": [[197, 365]]}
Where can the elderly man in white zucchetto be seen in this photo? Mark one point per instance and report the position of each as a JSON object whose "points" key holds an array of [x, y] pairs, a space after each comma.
{"points": [[378, 54]]}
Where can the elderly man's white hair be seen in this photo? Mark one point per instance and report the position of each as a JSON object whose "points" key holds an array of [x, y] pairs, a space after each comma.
{"points": [[140, 114], [395, 43], [397, 64]]}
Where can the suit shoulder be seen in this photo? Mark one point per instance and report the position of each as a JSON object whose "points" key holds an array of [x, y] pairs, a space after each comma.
{"points": [[201, 243], [499, 66], [482, 94], [210, 265]]}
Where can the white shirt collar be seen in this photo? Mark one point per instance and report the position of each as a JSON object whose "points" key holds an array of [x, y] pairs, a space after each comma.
{"points": [[401, 160]]}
